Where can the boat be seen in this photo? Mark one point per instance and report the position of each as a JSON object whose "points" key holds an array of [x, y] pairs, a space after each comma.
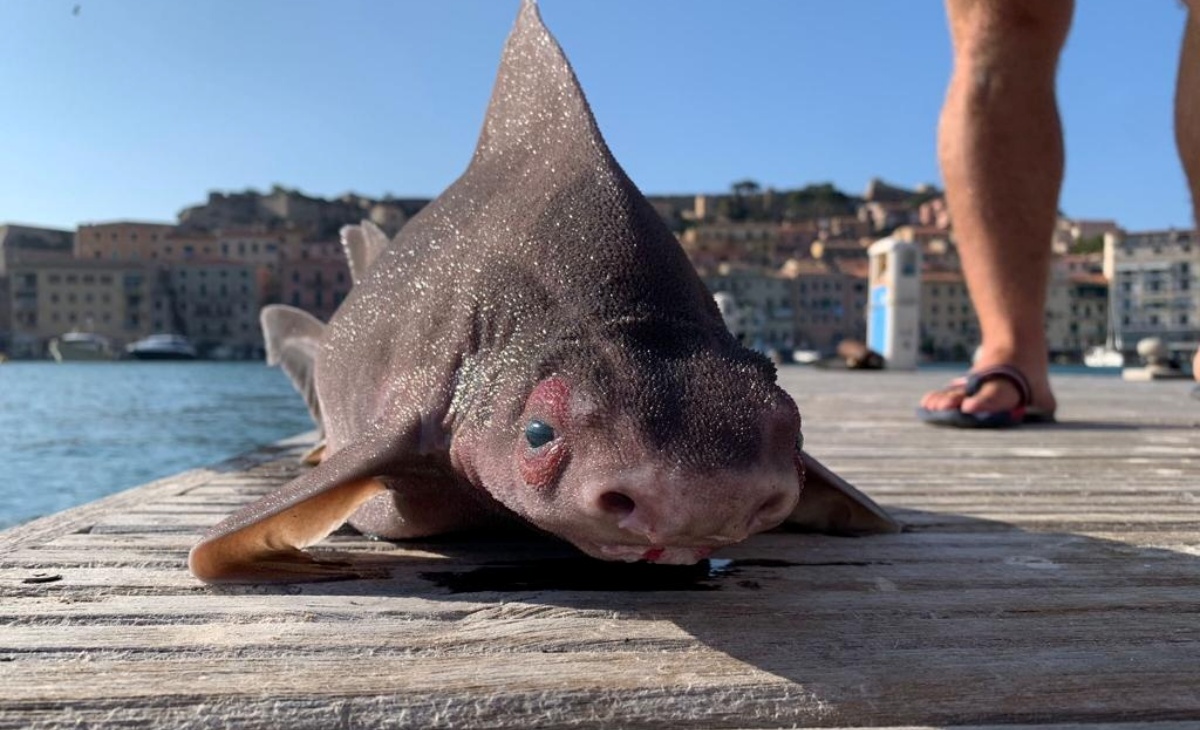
{"points": [[1109, 354], [1103, 356], [162, 347], [806, 357], [81, 347]]}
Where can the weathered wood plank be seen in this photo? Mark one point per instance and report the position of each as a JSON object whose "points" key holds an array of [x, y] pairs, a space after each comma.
{"points": [[1051, 577]]}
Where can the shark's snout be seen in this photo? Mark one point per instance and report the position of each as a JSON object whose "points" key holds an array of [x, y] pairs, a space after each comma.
{"points": [[651, 507]]}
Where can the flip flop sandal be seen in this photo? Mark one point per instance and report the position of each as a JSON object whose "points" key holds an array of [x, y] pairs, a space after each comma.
{"points": [[970, 385]]}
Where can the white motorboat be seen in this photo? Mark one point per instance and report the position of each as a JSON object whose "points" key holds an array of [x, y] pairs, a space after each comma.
{"points": [[1109, 354], [162, 347], [1103, 356], [81, 347]]}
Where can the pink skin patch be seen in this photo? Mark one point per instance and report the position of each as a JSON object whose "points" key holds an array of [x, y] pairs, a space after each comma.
{"points": [[549, 403]]}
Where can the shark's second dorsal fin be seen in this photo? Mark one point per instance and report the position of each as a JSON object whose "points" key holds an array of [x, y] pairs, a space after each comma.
{"points": [[363, 244], [293, 338]]}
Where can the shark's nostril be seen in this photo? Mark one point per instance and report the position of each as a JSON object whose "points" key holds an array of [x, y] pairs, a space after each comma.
{"points": [[617, 504]]}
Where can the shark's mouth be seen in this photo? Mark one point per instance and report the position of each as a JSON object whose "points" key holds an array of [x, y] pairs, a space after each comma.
{"points": [[664, 554]]}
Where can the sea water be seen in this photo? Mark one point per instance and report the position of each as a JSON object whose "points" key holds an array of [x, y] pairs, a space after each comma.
{"points": [[74, 432]]}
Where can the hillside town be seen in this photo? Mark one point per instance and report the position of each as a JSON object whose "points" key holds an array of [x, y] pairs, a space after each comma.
{"points": [[791, 267]]}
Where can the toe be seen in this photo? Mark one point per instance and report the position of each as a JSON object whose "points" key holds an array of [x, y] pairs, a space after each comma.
{"points": [[942, 400]]}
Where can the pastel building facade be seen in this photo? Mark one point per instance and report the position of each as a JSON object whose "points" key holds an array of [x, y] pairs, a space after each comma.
{"points": [[764, 300], [1155, 286], [829, 301], [114, 299]]}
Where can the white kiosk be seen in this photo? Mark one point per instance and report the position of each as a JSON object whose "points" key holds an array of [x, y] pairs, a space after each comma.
{"points": [[894, 304]]}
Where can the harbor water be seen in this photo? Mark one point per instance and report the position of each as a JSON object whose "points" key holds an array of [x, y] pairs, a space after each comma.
{"points": [[75, 432]]}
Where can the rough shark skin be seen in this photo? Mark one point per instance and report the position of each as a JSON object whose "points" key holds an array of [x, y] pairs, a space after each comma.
{"points": [[534, 346]]}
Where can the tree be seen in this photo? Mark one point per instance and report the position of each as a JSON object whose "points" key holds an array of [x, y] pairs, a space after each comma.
{"points": [[745, 188]]}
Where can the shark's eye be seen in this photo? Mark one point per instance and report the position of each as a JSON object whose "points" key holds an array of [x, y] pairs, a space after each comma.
{"points": [[538, 434]]}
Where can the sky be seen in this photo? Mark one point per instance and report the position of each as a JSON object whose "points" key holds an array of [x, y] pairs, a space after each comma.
{"points": [[134, 109]]}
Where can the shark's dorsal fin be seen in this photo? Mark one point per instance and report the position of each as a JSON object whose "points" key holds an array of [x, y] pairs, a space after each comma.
{"points": [[293, 338], [363, 244], [537, 106]]}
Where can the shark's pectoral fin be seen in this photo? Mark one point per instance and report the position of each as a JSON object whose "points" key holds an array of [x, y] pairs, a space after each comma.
{"points": [[264, 541], [269, 551], [830, 504], [293, 338]]}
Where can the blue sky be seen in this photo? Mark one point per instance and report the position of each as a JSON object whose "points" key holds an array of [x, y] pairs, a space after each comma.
{"points": [[133, 109]]}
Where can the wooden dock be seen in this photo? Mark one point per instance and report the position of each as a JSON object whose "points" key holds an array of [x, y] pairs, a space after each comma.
{"points": [[1050, 577]]}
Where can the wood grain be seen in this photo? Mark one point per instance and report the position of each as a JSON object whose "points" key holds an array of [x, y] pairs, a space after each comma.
{"points": [[1050, 578]]}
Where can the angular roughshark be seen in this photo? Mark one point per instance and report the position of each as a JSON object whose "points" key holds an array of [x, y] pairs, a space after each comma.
{"points": [[533, 346]]}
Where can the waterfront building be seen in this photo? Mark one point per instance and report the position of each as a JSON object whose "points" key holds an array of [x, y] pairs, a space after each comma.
{"points": [[33, 244], [26, 245], [764, 300], [111, 298], [316, 281], [949, 327], [1154, 279], [752, 243], [187, 245], [290, 209], [121, 240], [1088, 327], [1057, 317], [934, 212], [949, 324], [829, 299], [215, 304], [839, 249], [932, 240]]}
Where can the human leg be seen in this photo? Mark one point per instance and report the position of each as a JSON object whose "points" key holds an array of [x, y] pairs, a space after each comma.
{"points": [[1187, 116], [1001, 150]]}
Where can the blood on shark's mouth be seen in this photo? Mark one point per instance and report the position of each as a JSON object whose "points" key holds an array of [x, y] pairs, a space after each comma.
{"points": [[653, 554], [667, 554]]}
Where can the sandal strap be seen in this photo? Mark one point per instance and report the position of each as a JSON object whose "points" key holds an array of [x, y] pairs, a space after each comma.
{"points": [[975, 381]]}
